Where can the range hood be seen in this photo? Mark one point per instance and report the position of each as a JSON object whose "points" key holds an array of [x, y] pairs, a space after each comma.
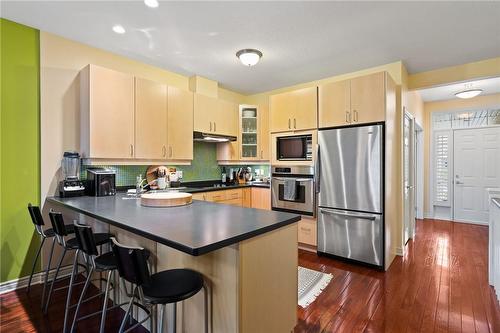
{"points": [[210, 137]]}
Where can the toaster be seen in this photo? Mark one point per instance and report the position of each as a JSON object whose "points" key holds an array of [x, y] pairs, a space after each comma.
{"points": [[101, 182]]}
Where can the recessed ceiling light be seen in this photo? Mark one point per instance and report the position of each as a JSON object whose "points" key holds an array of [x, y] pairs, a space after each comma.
{"points": [[151, 3], [468, 93], [249, 57], [119, 29]]}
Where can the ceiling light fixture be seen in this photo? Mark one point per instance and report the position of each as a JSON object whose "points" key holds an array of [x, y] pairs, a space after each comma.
{"points": [[151, 3], [119, 29], [468, 93], [249, 57]]}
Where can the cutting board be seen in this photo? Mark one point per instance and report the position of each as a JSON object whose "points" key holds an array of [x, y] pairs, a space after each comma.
{"points": [[166, 199]]}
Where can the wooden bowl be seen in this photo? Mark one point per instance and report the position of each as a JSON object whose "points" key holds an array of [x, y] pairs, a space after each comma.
{"points": [[166, 199]]}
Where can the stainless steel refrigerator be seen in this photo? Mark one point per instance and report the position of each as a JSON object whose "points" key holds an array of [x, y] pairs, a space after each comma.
{"points": [[350, 187]]}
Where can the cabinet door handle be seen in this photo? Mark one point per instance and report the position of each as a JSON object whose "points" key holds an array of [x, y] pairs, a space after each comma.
{"points": [[355, 116], [132, 150], [215, 126], [163, 151], [294, 123], [347, 116], [170, 151], [305, 229], [261, 154], [210, 126], [289, 124]]}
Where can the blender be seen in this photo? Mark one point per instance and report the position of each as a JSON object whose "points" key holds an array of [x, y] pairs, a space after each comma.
{"points": [[71, 186]]}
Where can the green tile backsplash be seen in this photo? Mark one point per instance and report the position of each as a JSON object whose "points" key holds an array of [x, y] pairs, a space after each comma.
{"points": [[203, 167]]}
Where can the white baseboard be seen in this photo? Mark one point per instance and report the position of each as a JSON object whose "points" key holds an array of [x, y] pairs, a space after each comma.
{"points": [[399, 251], [428, 215], [472, 222], [22, 282]]}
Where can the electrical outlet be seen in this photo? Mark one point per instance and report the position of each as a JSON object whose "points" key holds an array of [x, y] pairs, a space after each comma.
{"points": [[179, 174]]}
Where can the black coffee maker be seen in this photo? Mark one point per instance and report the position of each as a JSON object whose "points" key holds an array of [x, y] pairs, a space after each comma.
{"points": [[71, 186]]}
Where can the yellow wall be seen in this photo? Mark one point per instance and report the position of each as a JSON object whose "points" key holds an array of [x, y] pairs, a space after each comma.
{"points": [[449, 105], [60, 63], [466, 72]]}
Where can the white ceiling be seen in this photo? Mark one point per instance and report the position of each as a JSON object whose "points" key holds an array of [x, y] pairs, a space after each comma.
{"points": [[301, 41], [489, 86]]}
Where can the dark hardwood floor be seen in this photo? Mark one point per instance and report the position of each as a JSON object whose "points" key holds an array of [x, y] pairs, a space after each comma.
{"points": [[20, 312], [441, 285]]}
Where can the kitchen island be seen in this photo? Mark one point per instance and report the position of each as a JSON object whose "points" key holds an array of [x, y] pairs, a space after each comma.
{"points": [[248, 256]]}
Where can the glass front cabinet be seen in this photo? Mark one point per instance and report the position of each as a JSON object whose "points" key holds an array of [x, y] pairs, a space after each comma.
{"points": [[249, 132]]}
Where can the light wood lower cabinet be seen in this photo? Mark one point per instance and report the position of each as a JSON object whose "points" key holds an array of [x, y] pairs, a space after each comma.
{"points": [[307, 232], [261, 198], [246, 200], [249, 197]]}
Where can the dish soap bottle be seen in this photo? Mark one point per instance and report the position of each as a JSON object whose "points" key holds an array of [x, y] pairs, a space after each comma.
{"points": [[224, 175]]}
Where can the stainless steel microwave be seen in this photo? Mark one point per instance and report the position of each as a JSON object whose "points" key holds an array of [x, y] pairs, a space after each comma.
{"points": [[294, 148]]}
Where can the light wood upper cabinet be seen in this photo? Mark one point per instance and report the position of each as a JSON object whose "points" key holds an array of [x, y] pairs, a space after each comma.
{"points": [[334, 103], [180, 124], [205, 111], [150, 119], [253, 136], [282, 107], [305, 116], [294, 110], [355, 101], [212, 115], [225, 120], [107, 113], [368, 98], [264, 133]]}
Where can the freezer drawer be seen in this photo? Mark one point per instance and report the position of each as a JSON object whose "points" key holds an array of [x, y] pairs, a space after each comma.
{"points": [[352, 235]]}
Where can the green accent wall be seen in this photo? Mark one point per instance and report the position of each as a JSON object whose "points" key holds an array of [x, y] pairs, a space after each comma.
{"points": [[19, 146]]}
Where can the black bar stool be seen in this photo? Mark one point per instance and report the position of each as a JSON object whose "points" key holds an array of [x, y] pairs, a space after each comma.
{"points": [[170, 286], [103, 263], [38, 222], [60, 230]]}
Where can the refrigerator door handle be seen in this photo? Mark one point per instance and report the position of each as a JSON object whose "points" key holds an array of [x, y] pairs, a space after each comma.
{"points": [[358, 215], [317, 170]]}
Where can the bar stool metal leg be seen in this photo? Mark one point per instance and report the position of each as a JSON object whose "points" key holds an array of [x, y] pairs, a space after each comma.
{"points": [[205, 301], [103, 316], [162, 314], [85, 287], [54, 280], [70, 288], [129, 306], [34, 264], [47, 269]]}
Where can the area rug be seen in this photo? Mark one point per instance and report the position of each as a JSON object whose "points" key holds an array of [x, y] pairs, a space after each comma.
{"points": [[311, 284]]}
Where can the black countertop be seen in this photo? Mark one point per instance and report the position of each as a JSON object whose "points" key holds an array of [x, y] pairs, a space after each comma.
{"points": [[218, 187], [196, 229]]}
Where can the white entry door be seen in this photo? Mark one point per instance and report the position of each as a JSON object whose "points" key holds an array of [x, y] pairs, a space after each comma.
{"points": [[476, 156]]}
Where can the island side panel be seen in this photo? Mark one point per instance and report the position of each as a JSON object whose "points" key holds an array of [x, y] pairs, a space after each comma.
{"points": [[220, 269], [268, 281]]}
